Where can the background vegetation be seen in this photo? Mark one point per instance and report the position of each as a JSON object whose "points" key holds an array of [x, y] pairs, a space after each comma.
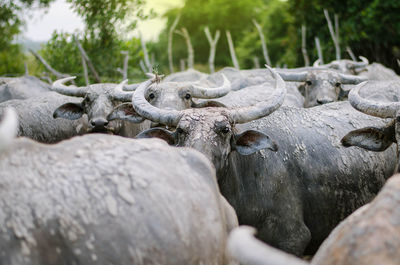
{"points": [[370, 27]]}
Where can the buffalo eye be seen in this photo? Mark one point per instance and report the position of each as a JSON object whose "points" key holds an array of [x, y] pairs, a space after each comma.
{"points": [[308, 82], [337, 84], [151, 96], [225, 130], [188, 96]]}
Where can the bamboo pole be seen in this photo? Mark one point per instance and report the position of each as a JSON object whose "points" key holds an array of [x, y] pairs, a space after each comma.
{"points": [[333, 34], [89, 62], [318, 45], [232, 50], [213, 47], [185, 34], [145, 54], [48, 67], [85, 71], [263, 44], [170, 35], [303, 46], [351, 54]]}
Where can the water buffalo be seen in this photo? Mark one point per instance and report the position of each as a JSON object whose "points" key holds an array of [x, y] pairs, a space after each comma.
{"points": [[21, 87], [102, 105], [376, 71], [189, 75], [104, 199], [280, 193], [321, 86], [36, 121], [374, 138], [346, 66], [368, 236]]}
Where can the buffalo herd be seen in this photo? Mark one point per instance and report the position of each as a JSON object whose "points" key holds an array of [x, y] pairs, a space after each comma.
{"points": [[260, 167]]}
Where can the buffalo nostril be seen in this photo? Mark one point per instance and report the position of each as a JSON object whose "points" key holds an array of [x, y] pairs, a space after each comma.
{"points": [[324, 101], [99, 122]]}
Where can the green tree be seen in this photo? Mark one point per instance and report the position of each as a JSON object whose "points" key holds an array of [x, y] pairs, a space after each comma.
{"points": [[370, 27], [11, 55], [101, 39], [235, 16]]}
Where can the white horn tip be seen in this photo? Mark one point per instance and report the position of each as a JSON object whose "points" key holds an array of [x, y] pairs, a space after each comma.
{"points": [[8, 127], [364, 59]]}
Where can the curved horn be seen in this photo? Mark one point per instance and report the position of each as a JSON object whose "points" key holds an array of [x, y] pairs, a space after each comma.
{"points": [[217, 92], [131, 87], [72, 91], [364, 62], [120, 94], [264, 108], [351, 79], [247, 249], [294, 77], [8, 127], [377, 109], [316, 63], [148, 111]]}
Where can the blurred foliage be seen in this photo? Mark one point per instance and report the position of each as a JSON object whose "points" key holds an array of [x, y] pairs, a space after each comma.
{"points": [[62, 53], [11, 55], [103, 16], [370, 27]]}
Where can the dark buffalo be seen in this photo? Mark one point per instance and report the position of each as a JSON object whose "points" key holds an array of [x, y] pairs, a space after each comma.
{"points": [[21, 87], [369, 236], [346, 66], [376, 71], [374, 138], [321, 86], [102, 105], [280, 193], [104, 199], [36, 118]]}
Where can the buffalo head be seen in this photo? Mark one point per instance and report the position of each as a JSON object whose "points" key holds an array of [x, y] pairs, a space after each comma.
{"points": [[321, 86], [372, 138], [211, 130], [101, 103]]}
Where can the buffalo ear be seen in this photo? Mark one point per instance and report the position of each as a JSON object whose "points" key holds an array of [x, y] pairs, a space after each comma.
{"points": [[370, 138], [125, 112], [70, 111], [343, 93], [161, 133], [252, 141], [208, 103], [302, 89]]}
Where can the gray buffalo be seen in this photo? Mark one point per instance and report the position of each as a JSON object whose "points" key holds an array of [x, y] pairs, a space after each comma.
{"points": [[321, 86], [21, 87], [280, 193], [374, 138], [368, 236], [346, 66], [102, 104], [36, 120], [104, 199], [377, 71]]}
